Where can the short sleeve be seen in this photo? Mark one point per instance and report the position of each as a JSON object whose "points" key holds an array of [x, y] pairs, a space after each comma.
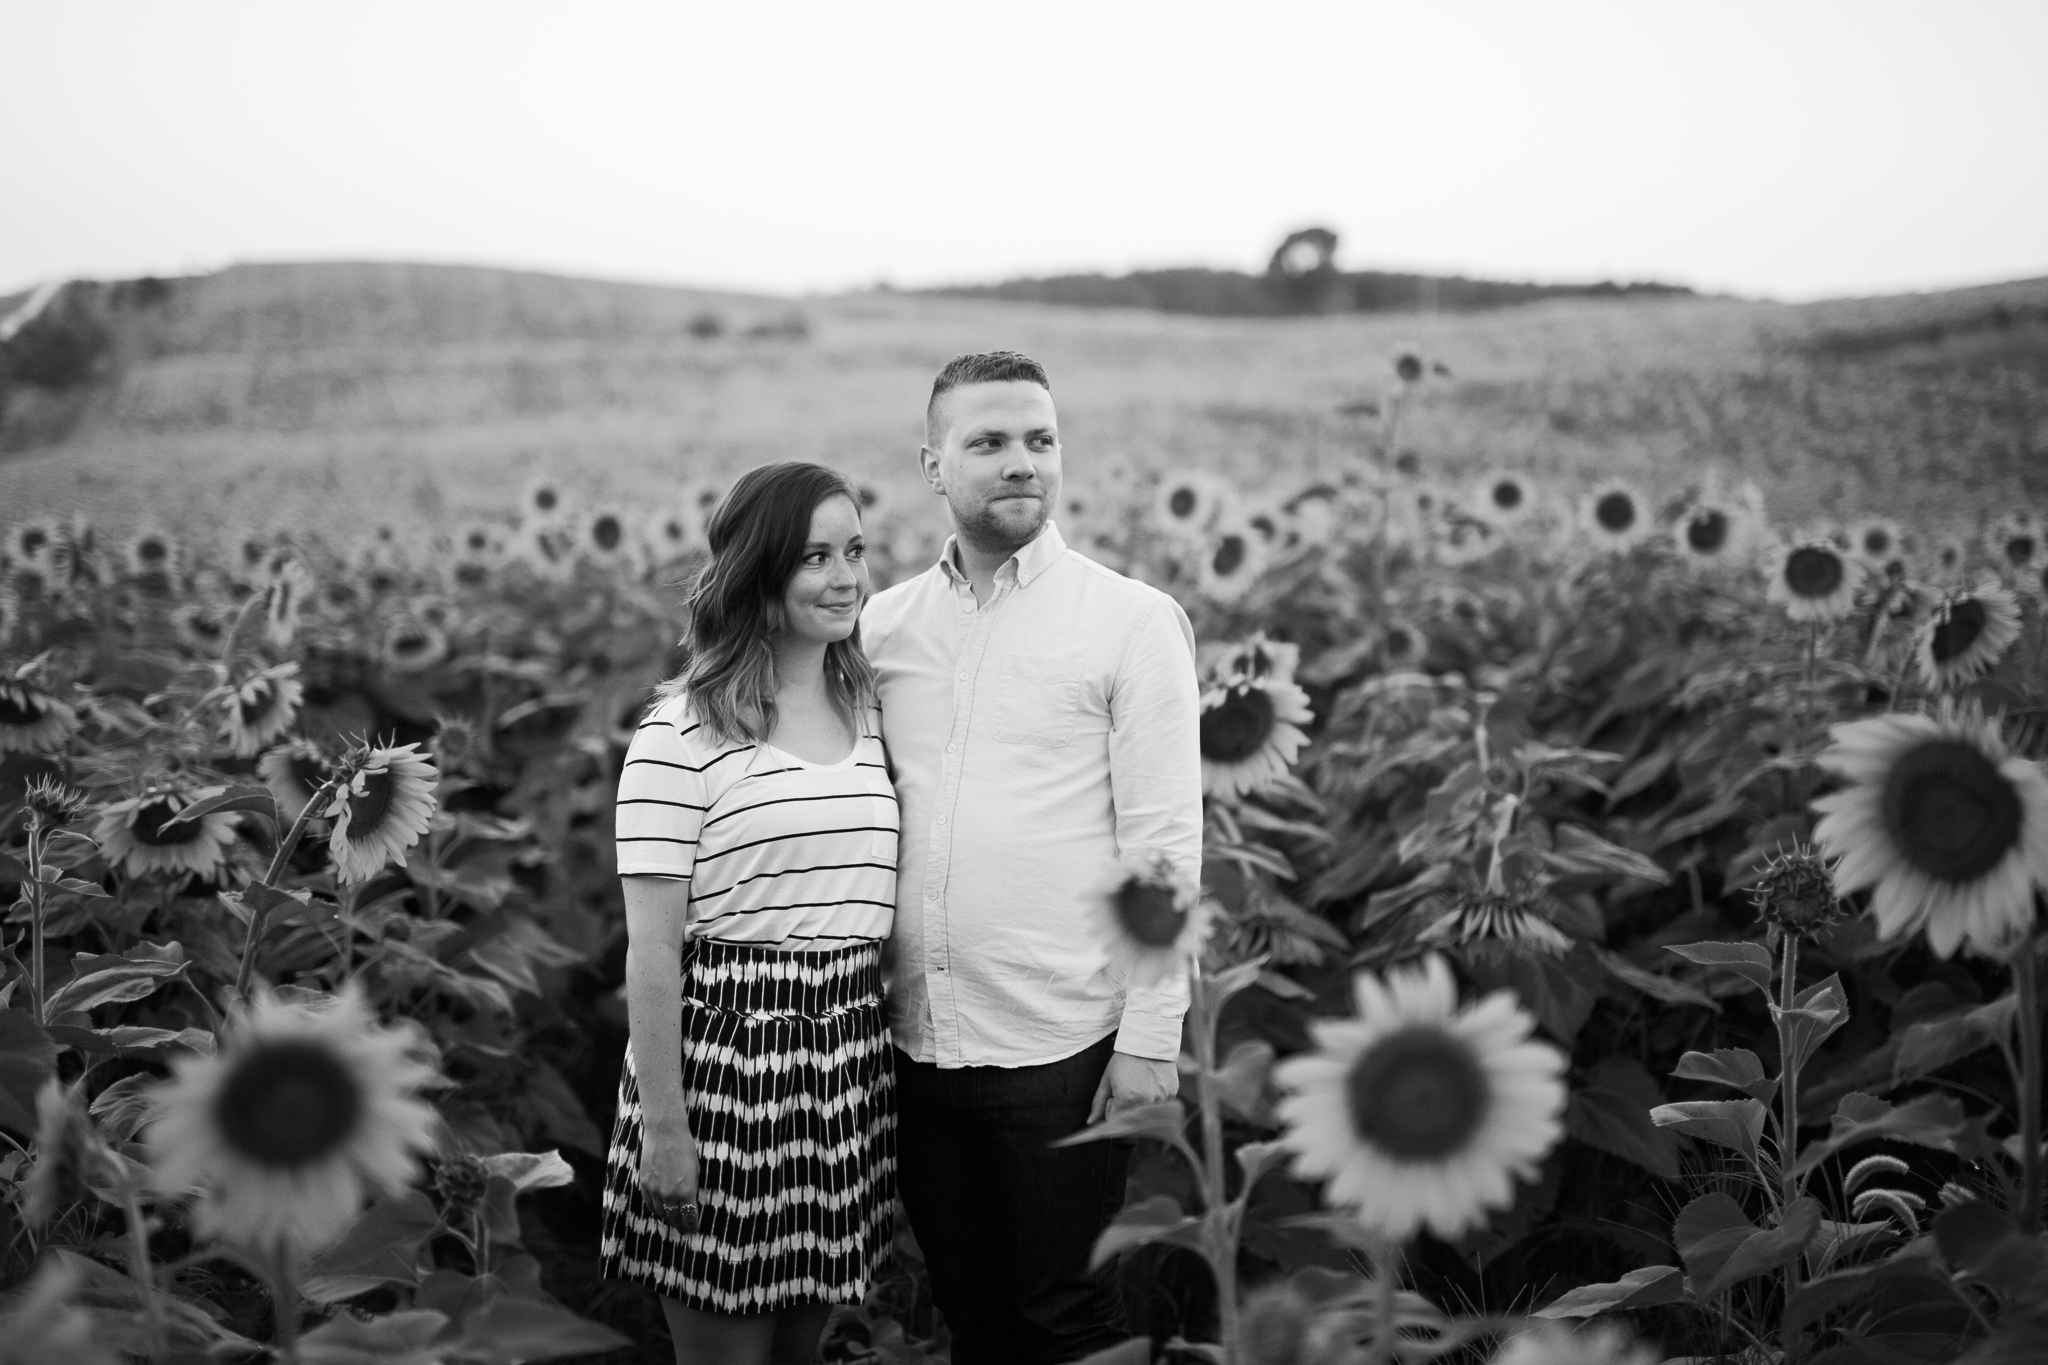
{"points": [[661, 798]]}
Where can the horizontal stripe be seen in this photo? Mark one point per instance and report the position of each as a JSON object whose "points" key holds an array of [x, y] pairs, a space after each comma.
{"points": [[789, 905], [792, 872], [792, 800]]}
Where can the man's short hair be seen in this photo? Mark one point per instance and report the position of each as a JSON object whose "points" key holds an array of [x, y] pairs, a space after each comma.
{"points": [[985, 367]]}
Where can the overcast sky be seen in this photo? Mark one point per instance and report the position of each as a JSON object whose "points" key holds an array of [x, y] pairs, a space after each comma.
{"points": [[1786, 149]]}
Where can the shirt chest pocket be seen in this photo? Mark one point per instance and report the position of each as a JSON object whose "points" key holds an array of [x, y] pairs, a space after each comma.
{"points": [[1038, 700]]}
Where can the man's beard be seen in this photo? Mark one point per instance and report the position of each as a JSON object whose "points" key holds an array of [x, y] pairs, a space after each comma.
{"points": [[988, 532]]}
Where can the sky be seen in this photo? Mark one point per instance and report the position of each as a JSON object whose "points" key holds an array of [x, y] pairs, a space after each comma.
{"points": [[1786, 149]]}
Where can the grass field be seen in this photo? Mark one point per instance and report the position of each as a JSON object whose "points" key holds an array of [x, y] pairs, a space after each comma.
{"points": [[338, 395]]}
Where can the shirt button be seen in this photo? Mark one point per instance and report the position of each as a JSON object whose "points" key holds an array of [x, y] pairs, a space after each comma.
{"points": [[963, 677], [932, 894], [942, 819], [952, 748]]}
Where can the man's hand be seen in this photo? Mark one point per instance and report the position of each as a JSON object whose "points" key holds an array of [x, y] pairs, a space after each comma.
{"points": [[1129, 1082]]}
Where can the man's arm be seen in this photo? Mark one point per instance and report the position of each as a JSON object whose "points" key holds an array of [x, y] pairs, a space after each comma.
{"points": [[1155, 774]]}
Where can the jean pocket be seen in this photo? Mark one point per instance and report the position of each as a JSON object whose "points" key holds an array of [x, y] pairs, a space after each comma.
{"points": [[1038, 700]]}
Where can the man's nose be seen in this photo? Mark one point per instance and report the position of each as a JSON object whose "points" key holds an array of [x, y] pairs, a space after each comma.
{"points": [[1019, 465]]}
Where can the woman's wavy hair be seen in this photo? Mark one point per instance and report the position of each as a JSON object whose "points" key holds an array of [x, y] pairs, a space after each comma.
{"points": [[757, 539]]}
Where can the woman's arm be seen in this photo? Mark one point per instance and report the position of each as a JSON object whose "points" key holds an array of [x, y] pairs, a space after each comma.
{"points": [[657, 912]]}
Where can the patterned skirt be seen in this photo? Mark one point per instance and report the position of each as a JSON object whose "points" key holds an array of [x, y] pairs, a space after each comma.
{"points": [[787, 1074]]}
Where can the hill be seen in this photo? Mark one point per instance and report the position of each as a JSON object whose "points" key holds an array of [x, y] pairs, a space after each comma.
{"points": [[345, 394]]}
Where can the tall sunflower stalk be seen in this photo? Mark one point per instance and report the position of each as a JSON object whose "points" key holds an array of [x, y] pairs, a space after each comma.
{"points": [[2027, 1020], [259, 914]]}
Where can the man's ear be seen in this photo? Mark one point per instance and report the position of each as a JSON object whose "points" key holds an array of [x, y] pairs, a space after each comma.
{"points": [[928, 465]]}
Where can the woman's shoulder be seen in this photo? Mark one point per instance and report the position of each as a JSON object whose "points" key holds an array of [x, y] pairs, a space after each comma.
{"points": [[672, 720]]}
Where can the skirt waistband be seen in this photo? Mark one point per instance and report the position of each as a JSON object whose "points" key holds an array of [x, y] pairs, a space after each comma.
{"points": [[746, 978]]}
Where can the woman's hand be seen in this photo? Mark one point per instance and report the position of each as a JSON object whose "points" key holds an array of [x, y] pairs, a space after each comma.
{"points": [[668, 1176]]}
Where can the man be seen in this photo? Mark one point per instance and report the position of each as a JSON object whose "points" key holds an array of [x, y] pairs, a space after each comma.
{"points": [[1042, 716]]}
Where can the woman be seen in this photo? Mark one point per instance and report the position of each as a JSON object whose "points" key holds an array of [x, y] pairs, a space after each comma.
{"points": [[751, 1173]]}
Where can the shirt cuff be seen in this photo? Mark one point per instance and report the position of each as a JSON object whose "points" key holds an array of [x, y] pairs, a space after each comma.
{"points": [[1155, 1037]]}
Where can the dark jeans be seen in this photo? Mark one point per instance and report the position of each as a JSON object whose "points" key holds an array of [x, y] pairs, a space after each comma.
{"points": [[1006, 1220]]}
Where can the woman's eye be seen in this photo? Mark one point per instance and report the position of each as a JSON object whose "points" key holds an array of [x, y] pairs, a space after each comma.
{"points": [[856, 552]]}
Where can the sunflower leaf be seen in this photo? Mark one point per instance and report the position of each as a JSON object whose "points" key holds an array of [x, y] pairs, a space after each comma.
{"points": [[238, 798], [381, 1247], [1769, 1248], [1735, 1124], [1934, 1043], [1240, 1083], [1612, 1112], [1751, 961], [1649, 1287], [1928, 1121], [27, 1059], [1737, 1068], [112, 978], [1155, 1220], [1816, 1013], [1707, 1232], [1657, 987]]}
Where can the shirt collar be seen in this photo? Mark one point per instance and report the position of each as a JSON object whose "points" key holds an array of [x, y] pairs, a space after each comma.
{"points": [[1041, 554]]}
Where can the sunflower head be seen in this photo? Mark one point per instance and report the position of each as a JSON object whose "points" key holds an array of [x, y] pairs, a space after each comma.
{"points": [[1487, 926], [544, 500], [51, 801], [1419, 1111], [1152, 919], [32, 720], [1796, 891], [303, 1111], [152, 556], [1251, 734], [1965, 635], [1255, 660], [1709, 533], [1615, 515], [381, 810], [1506, 498], [1942, 823], [137, 835], [1814, 580], [462, 1181], [1231, 561], [2016, 541]]}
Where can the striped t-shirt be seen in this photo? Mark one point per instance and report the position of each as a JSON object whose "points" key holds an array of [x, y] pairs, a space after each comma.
{"points": [[777, 851]]}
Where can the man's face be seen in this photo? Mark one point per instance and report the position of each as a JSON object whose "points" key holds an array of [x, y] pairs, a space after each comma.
{"points": [[998, 463]]}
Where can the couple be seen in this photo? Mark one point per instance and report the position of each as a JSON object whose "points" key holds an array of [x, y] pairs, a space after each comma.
{"points": [[805, 826]]}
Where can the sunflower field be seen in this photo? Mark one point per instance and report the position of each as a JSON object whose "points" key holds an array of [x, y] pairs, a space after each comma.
{"points": [[1618, 939]]}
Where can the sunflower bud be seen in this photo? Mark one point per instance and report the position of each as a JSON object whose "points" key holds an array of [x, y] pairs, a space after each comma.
{"points": [[461, 1181], [51, 801], [1797, 891]]}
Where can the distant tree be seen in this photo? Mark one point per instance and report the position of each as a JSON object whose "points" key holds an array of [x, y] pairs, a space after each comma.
{"points": [[1302, 276]]}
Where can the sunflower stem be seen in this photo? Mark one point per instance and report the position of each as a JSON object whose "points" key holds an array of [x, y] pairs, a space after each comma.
{"points": [[35, 893], [2026, 983], [1788, 1126], [1223, 1250], [1385, 1287], [139, 1266], [259, 918], [1806, 702], [284, 1299]]}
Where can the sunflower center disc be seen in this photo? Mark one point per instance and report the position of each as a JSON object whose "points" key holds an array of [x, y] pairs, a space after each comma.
{"points": [[1958, 630], [19, 710], [149, 824], [1409, 368], [1950, 811], [1418, 1095], [259, 701], [607, 533], [1148, 913], [366, 811], [1707, 533], [1615, 512], [288, 1103], [1877, 542], [1236, 729], [1813, 572], [2020, 550], [1228, 557], [1181, 502]]}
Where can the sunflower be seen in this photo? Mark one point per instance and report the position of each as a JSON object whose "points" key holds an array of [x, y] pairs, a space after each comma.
{"points": [[31, 541], [382, 810], [304, 1110], [1710, 534], [50, 800], [1814, 581], [2015, 541], [1315, 514], [546, 550], [1411, 368], [32, 721], [1231, 561], [1419, 1112], [1947, 827], [133, 834], [701, 498], [1486, 926], [153, 556], [293, 771], [544, 501], [1615, 515], [1458, 539], [284, 601], [1965, 635], [1402, 646], [1795, 890], [1184, 505], [1505, 498], [1877, 541], [1949, 557], [1553, 1343], [1250, 734], [478, 544], [668, 533], [1256, 660], [412, 645], [1152, 919], [70, 562], [605, 537], [261, 708], [200, 627]]}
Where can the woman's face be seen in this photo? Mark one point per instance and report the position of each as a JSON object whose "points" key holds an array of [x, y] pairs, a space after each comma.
{"points": [[823, 599]]}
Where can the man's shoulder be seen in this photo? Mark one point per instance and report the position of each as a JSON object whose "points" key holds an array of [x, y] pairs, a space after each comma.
{"points": [[885, 607], [1104, 584]]}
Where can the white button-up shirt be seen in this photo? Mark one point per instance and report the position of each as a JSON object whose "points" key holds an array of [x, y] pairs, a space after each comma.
{"points": [[1034, 738]]}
